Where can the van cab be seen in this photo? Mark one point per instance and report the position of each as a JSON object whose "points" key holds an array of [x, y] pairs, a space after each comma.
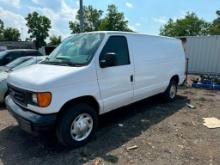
{"points": [[90, 74]]}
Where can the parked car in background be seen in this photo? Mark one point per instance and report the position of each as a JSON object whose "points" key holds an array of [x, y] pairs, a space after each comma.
{"points": [[10, 55], [3, 48], [91, 74], [14, 65]]}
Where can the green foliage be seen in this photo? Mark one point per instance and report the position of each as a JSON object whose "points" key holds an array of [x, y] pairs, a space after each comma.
{"points": [[38, 27], [11, 34], [75, 27], [190, 25], [8, 34], [55, 40], [1, 29], [113, 21], [92, 20], [215, 27]]}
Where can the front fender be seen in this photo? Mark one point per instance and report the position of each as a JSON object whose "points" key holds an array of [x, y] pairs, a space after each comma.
{"points": [[61, 95]]}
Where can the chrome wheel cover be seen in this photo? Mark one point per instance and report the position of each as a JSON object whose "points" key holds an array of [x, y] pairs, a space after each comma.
{"points": [[172, 92], [81, 127]]}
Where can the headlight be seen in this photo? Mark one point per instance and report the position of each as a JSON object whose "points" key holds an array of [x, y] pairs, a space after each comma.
{"points": [[42, 99], [34, 98]]}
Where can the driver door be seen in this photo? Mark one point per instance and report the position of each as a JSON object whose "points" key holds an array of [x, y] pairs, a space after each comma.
{"points": [[116, 82]]}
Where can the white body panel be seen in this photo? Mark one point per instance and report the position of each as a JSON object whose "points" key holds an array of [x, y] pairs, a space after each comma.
{"points": [[156, 60], [153, 61], [114, 82], [64, 82]]}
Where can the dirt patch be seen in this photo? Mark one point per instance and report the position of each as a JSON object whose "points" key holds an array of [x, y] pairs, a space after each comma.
{"points": [[162, 133]]}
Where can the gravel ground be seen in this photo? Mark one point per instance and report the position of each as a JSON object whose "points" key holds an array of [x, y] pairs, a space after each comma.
{"points": [[163, 133]]}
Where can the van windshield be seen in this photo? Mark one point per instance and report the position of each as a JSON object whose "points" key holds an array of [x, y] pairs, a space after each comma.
{"points": [[77, 50]]}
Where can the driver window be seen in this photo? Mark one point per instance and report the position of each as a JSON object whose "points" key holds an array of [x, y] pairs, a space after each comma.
{"points": [[119, 46]]}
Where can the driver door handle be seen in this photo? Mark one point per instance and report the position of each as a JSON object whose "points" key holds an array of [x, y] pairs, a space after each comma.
{"points": [[131, 78]]}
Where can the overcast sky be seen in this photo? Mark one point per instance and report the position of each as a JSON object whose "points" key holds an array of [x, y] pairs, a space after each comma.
{"points": [[144, 16]]}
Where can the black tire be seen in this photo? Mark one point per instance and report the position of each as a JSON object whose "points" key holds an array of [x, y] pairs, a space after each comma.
{"points": [[167, 94], [66, 119]]}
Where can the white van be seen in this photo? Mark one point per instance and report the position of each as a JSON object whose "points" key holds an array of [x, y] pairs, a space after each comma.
{"points": [[90, 74]]}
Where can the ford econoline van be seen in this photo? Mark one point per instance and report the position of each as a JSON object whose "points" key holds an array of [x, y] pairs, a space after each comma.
{"points": [[90, 74]]}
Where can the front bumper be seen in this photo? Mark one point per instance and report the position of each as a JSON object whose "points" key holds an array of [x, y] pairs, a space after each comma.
{"points": [[29, 121]]}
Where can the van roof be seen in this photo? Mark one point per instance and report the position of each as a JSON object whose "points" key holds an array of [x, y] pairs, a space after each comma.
{"points": [[132, 33]]}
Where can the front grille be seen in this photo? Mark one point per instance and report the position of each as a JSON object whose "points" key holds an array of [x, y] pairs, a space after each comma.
{"points": [[18, 95]]}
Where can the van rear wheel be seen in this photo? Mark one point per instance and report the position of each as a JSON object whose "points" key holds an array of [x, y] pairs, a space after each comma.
{"points": [[77, 125], [171, 91]]}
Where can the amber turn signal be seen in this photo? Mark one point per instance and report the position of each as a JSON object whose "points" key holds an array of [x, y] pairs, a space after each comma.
{"points": [[44, 99]]}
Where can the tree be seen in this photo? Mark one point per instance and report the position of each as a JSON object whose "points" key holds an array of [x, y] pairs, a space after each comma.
{"points": [[190, 25], [55, 40], [1, 29], [38, 27], [114, 20], [215, 27], [8, 34], [92, 20], [11, 34]]}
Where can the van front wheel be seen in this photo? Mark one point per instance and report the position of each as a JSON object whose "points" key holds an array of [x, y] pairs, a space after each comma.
{"points": [[171, 91], [77, 125]]}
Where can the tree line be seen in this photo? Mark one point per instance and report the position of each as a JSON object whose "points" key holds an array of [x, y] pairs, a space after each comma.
{"points": [[191, 25], [113, 20], [8, 34], [39, 25]]}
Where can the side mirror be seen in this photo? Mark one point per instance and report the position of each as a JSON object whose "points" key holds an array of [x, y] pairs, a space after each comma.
{"points": [[108, 60]]}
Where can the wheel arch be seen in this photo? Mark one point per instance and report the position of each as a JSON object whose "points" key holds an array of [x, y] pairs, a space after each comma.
{"points": [[90, 100], [175, 78]]}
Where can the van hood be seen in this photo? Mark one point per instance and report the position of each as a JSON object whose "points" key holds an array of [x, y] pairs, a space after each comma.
{"points": [[42, 76]]}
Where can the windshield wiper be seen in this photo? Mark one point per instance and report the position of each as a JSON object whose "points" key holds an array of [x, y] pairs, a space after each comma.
{"points": [[63, 63], [68, 63], [7, 69], [61, 58]]}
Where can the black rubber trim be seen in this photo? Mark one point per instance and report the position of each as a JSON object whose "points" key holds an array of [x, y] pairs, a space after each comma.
{"points": [[29, 119]]}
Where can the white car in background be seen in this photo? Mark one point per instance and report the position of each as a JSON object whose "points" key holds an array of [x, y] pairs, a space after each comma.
{"points": [[12, 66]]}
